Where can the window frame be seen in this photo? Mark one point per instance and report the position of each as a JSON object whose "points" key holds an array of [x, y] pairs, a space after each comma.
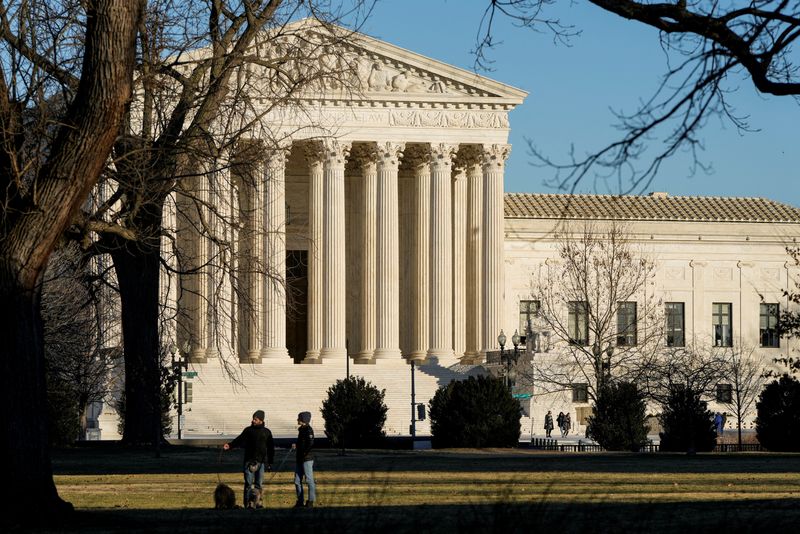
{"points": [[670, 318], [724, 393], [528, 314], [719, 328], [577, 309], [580, 392], [627, 333], [767, 333]]}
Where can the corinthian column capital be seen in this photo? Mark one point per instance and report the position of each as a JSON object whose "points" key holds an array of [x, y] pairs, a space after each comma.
{"points": [[336, 153], [494, 156], [389, 154], [442, 156], [277, 159]]}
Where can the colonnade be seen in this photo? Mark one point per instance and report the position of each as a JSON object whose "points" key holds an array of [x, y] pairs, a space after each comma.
{"points": [[457, 253]]}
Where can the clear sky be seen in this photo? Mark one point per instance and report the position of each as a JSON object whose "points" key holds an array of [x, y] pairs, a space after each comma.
{"points": [[612, 65]]}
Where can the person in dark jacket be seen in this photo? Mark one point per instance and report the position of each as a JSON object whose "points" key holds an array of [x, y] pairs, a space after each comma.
{"points": [[259, 452], [548, 423], [304, 449]]}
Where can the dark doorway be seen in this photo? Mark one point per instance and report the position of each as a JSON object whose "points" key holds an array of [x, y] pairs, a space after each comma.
{"points": [[297, 304]]}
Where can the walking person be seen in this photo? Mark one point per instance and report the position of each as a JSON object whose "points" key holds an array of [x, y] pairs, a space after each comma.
{"points": [[259, 452], [304, 466], [548, 423], [560, 421], [567, 424], [718, 425]]}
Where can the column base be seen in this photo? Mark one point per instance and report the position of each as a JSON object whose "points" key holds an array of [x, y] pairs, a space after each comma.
{"points": [[275, 352], [311, 355], [473, 358], [418, 356], [385, 354], [311, 361], [252, 356], [365, 356], [440, 353], [333, 352], [212, 353]]}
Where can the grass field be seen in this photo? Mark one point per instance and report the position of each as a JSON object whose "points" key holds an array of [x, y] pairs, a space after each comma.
{"points": [[438, 491]]}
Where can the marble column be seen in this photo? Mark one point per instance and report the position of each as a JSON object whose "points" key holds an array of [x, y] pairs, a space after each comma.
{"points": [[494, 158], [315, 157], [250, 185], [388, 249], [368, 159], [333, 239], [459, 259], [474, 283], [419, 160], [441, 252], [274, 326]]}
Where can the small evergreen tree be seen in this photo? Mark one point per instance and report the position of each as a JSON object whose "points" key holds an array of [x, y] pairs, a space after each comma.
{"points": [[477, 412], [778, 415], [687, 422], [618, 423], [354, 413]]}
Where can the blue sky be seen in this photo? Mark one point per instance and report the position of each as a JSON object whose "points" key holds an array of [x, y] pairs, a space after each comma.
{"points": [[611, 65]]}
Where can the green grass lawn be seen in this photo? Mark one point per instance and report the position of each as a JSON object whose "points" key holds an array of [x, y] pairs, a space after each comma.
{"points": [[441, 491]]}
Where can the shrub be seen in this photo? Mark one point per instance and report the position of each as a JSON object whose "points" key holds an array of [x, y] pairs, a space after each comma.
{"points": [[62, 411], [618, 423], [778, 415], [354, 413], [477, 412], [688, 424]]}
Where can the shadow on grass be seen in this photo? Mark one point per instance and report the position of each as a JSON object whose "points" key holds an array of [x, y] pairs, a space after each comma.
{"points": [[185, 459], [691, 516]]}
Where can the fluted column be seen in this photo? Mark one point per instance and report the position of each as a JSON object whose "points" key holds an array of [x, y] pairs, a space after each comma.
{"points": [[274, 325], [333, 236], [388, 260], [474, 259], [250, 185], [419, 160], [315, 158], [368, 160], [459, 259], [494, 158], [441, 252]]}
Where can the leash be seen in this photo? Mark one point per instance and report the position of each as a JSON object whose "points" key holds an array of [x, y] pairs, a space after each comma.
{"points": [[283, 461]]}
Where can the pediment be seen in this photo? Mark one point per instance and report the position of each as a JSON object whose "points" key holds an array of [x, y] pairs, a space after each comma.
{"points": [[379, 71]]}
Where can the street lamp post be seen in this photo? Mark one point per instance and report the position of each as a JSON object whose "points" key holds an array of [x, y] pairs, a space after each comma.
{"points": [[602, 367], [178, 365], [509, 360]]}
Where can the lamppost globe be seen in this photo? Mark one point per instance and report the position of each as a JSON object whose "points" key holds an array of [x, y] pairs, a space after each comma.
{"points": [[501, 340], [173, 349], [515, 339]]}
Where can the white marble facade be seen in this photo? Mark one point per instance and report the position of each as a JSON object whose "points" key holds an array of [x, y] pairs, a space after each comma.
{"points": [[388, 203]]}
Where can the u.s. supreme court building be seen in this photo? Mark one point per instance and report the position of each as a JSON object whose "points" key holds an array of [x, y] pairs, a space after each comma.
{"points": [[389, 240]]}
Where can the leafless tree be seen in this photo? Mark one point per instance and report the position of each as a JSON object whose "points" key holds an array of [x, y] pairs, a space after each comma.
{"points": [[710, 47], [45, 179], [746, 374], [77, 322], [211, 73], [695, 368], [598, 303]]}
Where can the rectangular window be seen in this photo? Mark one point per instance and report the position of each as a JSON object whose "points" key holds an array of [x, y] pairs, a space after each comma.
{"points": [[580, 392], [768, 329], [578, 322], [528, 310], [722, 321], [626, 324], [675, 324], [724, 393]]}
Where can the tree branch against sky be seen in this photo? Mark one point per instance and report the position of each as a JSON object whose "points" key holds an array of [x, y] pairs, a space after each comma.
{"points": [[711, 48]]}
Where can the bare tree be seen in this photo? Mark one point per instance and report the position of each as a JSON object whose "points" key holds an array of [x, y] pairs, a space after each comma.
{"points": [[211, 73], [42, 188], [598, 303], [77, 321], [710, 47], [694, 368], [746, 374]]}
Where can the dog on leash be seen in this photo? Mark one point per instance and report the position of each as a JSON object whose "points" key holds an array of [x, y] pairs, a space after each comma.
{"points": [[224, 497], [253, 498]]}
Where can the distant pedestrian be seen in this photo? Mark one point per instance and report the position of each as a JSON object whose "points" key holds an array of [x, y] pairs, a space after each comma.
{"points": [[718, 423], [724, 421], [259, 452], [567, 424], [548, 423], [304, 466], [560, 421]]}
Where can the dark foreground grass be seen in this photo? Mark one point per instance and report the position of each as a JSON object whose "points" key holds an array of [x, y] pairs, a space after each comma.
{"points": [[119, 490]]}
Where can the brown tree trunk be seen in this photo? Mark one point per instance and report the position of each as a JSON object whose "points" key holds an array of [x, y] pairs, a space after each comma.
{"points": [[31, 226]]}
